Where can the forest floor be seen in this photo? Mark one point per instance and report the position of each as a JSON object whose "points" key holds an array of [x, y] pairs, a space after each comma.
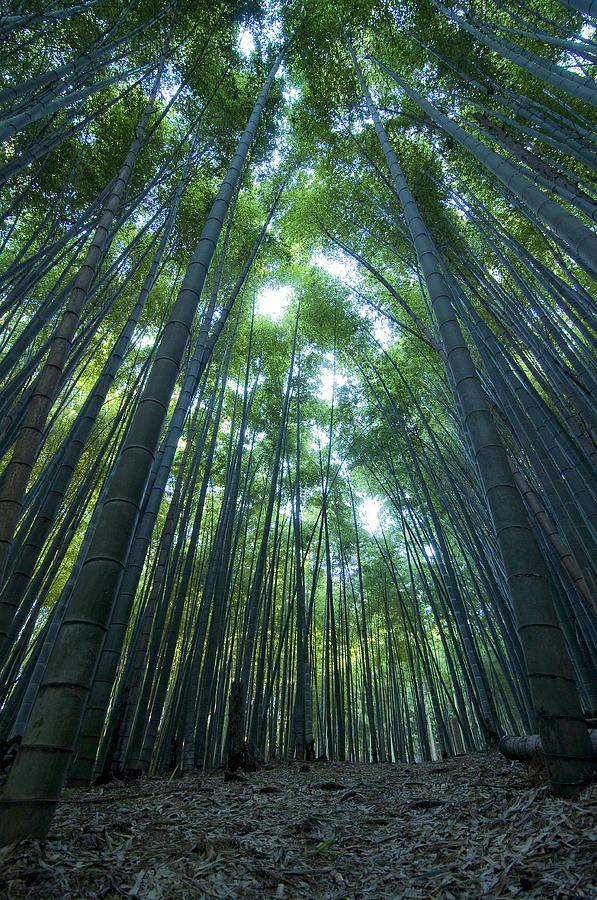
{"points": [[472, 826]]}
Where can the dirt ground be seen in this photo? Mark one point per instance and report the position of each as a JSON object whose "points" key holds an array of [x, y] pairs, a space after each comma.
{"points": [[474, 826]]}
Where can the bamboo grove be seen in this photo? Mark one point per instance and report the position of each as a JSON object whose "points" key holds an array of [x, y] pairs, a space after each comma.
{"points": [[375, 507]]}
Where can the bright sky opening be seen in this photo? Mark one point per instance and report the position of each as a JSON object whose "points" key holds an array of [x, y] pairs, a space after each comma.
{"points": [[346, 270], [342, 267], [370, 513], [272, 301], [246, 43], [291, 94], [327, 379]]}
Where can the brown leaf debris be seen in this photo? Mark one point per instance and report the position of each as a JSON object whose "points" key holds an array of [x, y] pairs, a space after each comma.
{"points": [[470, 827]]}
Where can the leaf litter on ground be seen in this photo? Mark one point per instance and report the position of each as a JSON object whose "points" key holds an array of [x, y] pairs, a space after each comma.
{"points": [[468, 827]]}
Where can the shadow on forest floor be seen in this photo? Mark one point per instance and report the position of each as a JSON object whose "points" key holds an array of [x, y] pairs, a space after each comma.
{"points": [[473, 826]]}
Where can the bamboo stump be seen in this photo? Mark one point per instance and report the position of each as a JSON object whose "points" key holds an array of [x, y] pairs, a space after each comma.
{"points": [[235, 726], [526, 747]]}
